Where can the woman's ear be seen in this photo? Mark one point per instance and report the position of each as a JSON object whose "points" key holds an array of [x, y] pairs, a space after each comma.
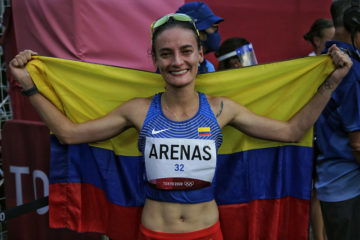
{"points": [[201, 53], [317, 42]]}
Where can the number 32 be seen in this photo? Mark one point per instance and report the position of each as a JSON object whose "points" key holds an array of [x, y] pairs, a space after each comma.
{"points": [[179, 167]]}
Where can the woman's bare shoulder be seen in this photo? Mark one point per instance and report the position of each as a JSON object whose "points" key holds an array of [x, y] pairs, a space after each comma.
{"points": [[136, 109], [217, 102], [224, 108], [140, 101]]}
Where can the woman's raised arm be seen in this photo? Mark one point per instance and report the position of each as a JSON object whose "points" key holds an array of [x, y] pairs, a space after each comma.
{"points": [[293, 130], [68, 132]]}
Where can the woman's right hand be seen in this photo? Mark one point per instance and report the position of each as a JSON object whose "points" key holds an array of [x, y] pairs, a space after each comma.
{"points": [[18, 70]]}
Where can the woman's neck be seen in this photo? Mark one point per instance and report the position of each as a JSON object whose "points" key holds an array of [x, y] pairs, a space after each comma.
{"points": [[180, 104], [341, 34]]}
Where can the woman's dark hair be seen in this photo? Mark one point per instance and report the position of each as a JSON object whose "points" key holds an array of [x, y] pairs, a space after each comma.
{"points": [[170, 24], [229, 45], [317, 28], [337, 10]]}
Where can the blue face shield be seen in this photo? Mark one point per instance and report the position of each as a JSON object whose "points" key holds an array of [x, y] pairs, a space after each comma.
{"points": [[212, 42], [245, 54]]}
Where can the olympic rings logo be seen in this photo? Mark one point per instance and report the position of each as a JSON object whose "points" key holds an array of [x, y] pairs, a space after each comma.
{"points": [[189, 184]]}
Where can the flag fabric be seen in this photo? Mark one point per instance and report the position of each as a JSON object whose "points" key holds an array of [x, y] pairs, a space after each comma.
{"points": [[262, 187]]}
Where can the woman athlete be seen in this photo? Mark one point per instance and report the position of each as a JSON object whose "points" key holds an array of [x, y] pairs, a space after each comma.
{"points": [[179, 206]]}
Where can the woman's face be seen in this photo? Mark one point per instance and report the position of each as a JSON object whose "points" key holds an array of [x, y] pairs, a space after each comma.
{"points": [[234, 62], [177, 56], [320, 42]]}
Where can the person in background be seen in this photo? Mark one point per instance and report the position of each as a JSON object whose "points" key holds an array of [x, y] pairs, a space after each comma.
{"points": [[207, 23], [235, 52], [321, 31], [338, 136]]}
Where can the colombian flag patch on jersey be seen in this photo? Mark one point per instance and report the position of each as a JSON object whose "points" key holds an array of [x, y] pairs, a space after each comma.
{"points": [[204, 131]]}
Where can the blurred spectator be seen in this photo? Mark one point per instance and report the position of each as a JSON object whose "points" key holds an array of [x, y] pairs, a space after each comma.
{"points": [[338, 135], [320, 32], [207, 23], [235, 53]]}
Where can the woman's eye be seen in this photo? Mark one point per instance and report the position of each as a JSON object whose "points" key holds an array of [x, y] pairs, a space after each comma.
{"points": [[189, 51], [165, 54]]}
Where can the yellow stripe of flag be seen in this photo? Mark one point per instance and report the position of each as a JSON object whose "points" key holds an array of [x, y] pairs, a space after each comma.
{"points": [[85, 91], [204, 129]]}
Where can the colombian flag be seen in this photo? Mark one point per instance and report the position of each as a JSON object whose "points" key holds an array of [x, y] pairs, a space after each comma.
{"points": [[204, 131], [262, 187]]}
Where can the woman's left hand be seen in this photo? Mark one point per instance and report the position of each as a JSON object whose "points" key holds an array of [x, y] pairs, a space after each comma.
{"points": [[341, 61]]}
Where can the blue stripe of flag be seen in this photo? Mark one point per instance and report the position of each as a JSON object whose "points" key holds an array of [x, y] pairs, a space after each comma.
{"points": [[240, 177]]}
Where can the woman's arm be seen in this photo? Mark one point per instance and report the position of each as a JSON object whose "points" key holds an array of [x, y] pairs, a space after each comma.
{"points": [[68, 132], [293, 130]]}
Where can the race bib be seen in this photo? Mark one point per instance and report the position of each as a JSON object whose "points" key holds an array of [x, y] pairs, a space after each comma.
{"points": [[175, 163]]}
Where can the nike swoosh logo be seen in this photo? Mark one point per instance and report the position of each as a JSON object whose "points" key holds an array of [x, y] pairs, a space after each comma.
{"points": [[159, 131]]}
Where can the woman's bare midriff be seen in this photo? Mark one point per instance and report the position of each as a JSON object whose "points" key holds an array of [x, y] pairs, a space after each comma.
{"points": [[179, 217]]}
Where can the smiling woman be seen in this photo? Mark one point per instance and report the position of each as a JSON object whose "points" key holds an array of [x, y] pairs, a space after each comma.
{"points": [[179, 131], [177, 56]]}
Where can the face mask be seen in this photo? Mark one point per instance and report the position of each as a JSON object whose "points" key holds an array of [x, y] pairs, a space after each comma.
{"points": [[212, 42]]}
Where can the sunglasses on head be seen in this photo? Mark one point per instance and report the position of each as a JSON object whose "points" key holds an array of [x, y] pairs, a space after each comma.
{"points": [[176, 16]]}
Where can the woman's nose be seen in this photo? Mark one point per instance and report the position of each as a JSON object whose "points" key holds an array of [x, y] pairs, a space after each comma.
{"points": [[177, 59]]}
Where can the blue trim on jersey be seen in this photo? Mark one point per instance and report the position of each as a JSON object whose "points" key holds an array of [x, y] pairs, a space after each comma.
{"points": [[156, 121]]}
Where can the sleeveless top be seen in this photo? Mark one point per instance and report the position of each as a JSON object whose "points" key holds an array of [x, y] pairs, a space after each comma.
{"points": [[180, 157]]}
